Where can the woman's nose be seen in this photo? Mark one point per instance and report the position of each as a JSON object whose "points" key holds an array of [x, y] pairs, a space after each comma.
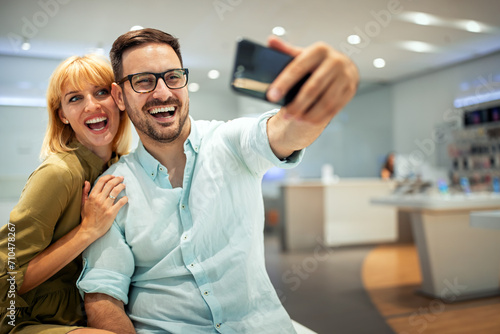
{"points": [[92, 104]]}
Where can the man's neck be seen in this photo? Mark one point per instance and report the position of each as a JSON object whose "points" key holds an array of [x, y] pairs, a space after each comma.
{"points": [[171, 155]]}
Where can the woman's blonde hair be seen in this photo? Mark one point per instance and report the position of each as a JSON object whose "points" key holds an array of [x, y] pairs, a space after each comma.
{"points": [[77, 71]]}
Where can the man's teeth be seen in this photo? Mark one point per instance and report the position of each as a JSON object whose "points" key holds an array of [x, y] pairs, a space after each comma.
{"points": [[96, 120], [163, 109]]}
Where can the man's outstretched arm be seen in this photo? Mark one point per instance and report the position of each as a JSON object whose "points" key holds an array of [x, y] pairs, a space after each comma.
{"points": [[332, 84], [105, 312]]}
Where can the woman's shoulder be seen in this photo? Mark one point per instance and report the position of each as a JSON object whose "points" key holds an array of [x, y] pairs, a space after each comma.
{"points": [[63, 163]]}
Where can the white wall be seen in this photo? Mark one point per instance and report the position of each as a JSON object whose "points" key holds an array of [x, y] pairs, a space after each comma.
{"points": [[21, 134], [357, 139]]}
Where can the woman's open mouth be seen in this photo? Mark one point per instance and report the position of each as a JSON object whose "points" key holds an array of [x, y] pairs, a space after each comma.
{"points": [[97, 124]]}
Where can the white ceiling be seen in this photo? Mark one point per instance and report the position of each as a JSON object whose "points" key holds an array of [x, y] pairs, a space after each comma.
{"points": [[208, 29]]}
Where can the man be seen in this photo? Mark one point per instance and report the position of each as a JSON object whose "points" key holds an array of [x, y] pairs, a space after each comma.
{"points": [[186, 253]]}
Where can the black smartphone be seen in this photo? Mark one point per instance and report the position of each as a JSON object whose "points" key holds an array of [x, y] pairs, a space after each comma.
{"points": [[256, 66]]}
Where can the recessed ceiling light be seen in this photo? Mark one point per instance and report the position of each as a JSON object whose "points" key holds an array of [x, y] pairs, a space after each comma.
{"points": [[422, 19], [354, 39], [26, 46], [417, 46], [136, 28], [193, 87], [279, 31], [473, 26], [379, 63], [213, 74]]}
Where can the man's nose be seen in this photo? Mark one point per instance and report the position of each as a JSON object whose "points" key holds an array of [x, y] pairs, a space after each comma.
{"points": [[162, 92]]}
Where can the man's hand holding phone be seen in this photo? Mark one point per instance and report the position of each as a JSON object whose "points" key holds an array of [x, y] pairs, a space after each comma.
{"points": [[332, 83], [312, 85]]}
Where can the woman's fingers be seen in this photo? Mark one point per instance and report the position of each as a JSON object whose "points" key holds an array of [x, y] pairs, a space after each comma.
{"points": [[115, 191], [102, 205], [101, 182], [117, 205], [85, 192], [106, 185]]}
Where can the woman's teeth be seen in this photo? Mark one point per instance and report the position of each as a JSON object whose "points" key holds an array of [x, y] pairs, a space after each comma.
{"points": [[97, 123]]}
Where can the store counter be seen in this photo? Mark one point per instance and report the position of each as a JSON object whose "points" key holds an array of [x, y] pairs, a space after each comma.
{"points": [[485, 219], [336, 213], [457, 260]]}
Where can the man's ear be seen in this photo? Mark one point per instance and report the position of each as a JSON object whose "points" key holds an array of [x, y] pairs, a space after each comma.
{"points": [[117, 93]]}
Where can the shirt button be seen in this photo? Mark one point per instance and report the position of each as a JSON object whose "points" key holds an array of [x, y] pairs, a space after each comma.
{"points": [[205, 293], [183, 206], [218, 325]]}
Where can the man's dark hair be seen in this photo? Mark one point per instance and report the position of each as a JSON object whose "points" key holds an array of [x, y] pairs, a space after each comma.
{"points": [[138, 37]]}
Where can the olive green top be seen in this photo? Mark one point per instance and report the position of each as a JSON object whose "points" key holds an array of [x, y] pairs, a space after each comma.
{"points": [[48, 208]]}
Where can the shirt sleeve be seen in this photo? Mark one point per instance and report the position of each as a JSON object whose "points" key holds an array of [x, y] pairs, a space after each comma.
{"points": [[31, 226], [108, 265], [255, 147]]}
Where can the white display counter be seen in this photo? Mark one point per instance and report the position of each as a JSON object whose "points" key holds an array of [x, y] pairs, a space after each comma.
{"points": [[336, 214], [457, 261], [485, 219]]}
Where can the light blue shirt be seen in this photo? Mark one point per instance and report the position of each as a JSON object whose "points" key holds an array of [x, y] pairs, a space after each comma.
{"points": [[191, 259]]}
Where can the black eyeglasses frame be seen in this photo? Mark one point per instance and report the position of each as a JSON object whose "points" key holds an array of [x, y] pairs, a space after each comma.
{"points": [[158, 76]]}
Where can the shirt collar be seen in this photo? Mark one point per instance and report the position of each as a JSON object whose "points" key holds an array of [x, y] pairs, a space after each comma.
{"points": [[194, 138], [151, 165]]}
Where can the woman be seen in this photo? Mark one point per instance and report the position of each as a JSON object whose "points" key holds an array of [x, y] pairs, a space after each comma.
{"points": [[41, 245], [387, 171]]}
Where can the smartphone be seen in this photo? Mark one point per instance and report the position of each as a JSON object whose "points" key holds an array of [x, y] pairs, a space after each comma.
{"points": [[256, 67]]}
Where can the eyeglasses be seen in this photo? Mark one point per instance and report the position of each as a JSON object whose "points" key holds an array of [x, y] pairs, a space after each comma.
{"points": [[146, 82]]}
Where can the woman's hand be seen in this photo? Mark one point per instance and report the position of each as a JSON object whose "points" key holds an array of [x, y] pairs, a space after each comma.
{"points": [[98, 213], [100, 208]]}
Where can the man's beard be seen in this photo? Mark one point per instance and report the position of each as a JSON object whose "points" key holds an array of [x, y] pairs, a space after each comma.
{"points": [[144, 125]]}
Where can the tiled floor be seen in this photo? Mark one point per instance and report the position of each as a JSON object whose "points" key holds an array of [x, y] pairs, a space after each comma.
{"points": [[369, 289], [323, 289], [391, 275]]}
